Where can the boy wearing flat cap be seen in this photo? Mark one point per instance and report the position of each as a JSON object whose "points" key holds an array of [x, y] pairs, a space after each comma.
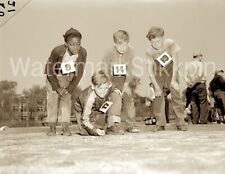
{"points": [[64, 70]]}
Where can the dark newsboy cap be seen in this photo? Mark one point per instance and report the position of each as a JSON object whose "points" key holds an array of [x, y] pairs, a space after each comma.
{"points": [[73, 31]]}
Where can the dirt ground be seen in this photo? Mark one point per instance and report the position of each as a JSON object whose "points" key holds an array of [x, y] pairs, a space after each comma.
{"points": [[30, 151]]}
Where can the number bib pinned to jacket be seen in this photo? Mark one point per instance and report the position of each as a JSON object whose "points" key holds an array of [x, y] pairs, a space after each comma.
{"points": [[164, 59], [105, 107], [119, 69], [68, 67]]}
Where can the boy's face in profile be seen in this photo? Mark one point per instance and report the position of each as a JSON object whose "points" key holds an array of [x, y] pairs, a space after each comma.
{"points": [[73, 45], [102, 90], [121, 46], [157, 42]]}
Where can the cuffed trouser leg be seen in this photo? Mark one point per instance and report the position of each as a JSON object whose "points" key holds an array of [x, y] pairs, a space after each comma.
{"points": [[52, 104], [159, 110], [65, 109], [64, 113], [164, 80], [128, 108], [177, 106], [159, 102]]}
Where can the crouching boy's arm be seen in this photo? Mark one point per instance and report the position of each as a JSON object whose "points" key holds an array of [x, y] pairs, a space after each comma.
{"points": [[50, 70], [174, 80], [91, 129], [150, 67], [78, 112]]}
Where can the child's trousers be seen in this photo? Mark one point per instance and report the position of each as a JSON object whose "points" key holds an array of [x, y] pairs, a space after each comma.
{"points": [[128, 109], [58, 110], [176, 103]]}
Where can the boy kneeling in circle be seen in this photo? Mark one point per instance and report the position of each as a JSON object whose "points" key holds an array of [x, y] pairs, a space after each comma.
{"points": [[98, 108]]}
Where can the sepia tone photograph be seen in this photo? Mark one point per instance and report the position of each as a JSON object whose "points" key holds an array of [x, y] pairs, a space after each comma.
{"points": [[112, 86]]}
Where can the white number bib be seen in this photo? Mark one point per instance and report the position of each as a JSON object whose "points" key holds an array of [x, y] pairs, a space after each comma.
{"points": [[119, 69], [105, 107], [68, 67], [164, 59]]}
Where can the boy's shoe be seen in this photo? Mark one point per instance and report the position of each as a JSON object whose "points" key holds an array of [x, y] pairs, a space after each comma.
{"points": [[182, 127], [52, 129], [116, 129], [66, 129], [218, 122], [154, 121], [159, 128], [150, 121]]}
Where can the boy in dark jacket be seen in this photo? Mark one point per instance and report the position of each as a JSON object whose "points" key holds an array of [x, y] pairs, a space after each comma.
{"points": [[64, 70]]}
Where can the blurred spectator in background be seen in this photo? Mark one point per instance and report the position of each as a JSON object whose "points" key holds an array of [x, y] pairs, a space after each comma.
{"points": [[196, 81], [217, 89]]}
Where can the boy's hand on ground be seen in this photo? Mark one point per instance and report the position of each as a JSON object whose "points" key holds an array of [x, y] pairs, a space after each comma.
{"points": [[100, 132]]}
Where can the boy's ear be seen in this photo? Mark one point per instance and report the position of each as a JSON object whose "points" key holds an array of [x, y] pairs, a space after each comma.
{"points": [[65, 43]]}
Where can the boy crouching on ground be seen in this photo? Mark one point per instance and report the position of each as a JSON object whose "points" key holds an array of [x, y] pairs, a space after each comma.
{"points": [[64, 70], [98, 108]]}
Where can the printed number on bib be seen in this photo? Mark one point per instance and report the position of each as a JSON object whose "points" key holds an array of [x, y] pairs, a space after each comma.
{"points": [[105, 107], [68, 67], [164, 59], [119, 69]]}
